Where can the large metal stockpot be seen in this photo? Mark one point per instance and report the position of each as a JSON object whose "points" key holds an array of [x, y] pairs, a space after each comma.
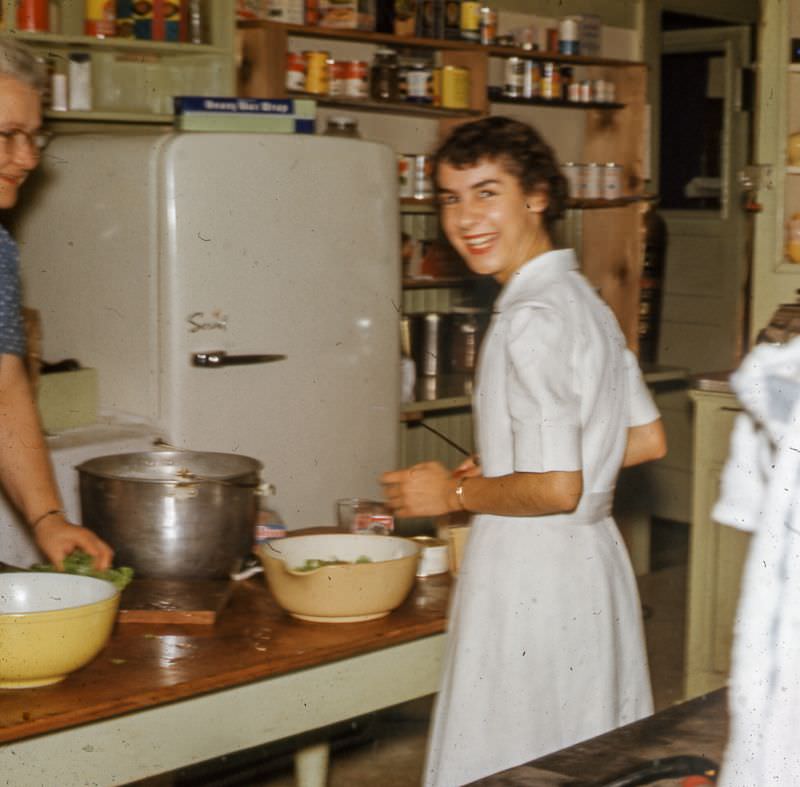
{"points": [[173, 514]]}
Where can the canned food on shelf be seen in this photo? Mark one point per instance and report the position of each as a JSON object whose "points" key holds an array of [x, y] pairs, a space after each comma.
{"points": [[488, 25], [455, 87], [356, 79], [405, 175], [317, 75], [295, 71], [514, 80], [551, 81], [422, 176], [470, 20], [572, 173], [419, 83], [384, 80], [336, 77], [568, 41]]}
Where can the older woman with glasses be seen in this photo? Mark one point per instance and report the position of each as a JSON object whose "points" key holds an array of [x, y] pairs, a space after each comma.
{"points": [[25, 471]]}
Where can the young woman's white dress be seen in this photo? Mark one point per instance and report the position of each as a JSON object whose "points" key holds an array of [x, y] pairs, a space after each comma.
{"points": [[545, 640]]}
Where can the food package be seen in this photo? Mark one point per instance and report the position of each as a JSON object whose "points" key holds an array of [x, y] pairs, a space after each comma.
{"points": [[354, 14]]}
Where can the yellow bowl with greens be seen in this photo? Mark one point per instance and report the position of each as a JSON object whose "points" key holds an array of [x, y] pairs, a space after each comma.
{"points": [[51, 624]]}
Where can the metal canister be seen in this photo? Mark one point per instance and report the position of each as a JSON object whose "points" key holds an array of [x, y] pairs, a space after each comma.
{"points": [[356, 81], [514, 80], [295, 71], [317, 74], [585, 94], [470, 23], [422, 177], [612, 181], [593, 181], [488, 25], [33, 16], [431, 345], [455, 87]]}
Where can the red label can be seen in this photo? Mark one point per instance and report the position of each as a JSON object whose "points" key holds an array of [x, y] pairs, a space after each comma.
{"points": [[356, 78], [33, 15]]}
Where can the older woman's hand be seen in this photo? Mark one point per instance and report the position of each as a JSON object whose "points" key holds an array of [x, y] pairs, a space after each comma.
{"points": [[426, 489], [57, 538]]}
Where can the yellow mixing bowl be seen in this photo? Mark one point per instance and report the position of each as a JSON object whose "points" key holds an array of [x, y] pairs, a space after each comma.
{"points": [[353, 591], [51, 624]]}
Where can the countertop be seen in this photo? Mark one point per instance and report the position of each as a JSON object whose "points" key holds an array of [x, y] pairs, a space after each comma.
{"points": [[698, 727], [146, 665], [712, 382]]}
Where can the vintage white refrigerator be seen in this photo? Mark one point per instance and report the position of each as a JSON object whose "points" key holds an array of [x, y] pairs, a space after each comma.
{"points": [[184, 266]]}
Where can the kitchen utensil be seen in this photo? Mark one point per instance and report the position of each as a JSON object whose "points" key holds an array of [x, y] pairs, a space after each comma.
{"points": [[664, 768], [173, 514], [51, 625], [344, 593]]}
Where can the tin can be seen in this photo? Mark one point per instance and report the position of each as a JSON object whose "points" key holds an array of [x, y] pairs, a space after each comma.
{"points": [[455, 87], [488, 25], [514, 80], [430, 356], [612, 181], [356, 81], [568, 42], [100, 18], [295, 71], [419, 84], [405, 175], [470, 20], [551, 81], [585, 94], [436, 86], [574, 92], [593, 181], [531, 82], [317, 72], [422, 177], [384, 80], [335, 77], [551, 39], [572, 174], [33, 15]]}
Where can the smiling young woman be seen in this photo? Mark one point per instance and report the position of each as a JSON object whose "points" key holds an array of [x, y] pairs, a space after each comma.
{"points": [[545, 644]]}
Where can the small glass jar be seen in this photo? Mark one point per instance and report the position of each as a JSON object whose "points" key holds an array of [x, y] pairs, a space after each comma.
{"points": [[341, 126], [383, 81]]}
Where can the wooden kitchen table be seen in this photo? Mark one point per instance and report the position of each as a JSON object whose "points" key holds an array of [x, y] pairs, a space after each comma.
{"points": [[161, 697]]}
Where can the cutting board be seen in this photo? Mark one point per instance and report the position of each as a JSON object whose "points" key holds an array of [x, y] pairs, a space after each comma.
{"points": [[174, 600]]}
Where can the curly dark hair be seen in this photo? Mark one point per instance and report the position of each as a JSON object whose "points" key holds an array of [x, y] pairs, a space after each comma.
{"points": [[517, 147]]}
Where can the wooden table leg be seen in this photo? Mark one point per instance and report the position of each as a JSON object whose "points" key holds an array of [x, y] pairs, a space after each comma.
{"points": [[311, 765]]}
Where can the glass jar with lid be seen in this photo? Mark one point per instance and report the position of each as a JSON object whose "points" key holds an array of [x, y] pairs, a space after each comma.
{"points": [[383, 77], [341, 126]]}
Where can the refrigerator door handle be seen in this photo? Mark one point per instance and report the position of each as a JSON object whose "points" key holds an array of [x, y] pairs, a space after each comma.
{"points": [[218, 358]]}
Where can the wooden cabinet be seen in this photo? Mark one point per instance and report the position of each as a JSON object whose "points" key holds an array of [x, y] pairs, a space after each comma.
{"points": [[716, 552], [133, 81]]}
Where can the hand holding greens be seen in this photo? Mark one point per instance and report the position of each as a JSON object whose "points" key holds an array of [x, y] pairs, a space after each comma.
{"points": [[78, 562]]}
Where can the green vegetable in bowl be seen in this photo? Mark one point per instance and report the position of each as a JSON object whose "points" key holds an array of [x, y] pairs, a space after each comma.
{"points": [[78, 562], [311, 564]]}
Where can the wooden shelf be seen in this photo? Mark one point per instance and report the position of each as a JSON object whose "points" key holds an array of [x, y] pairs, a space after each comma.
{"points": [[115, 44], [394, 107], [412, 42], [437, 283], [599, 204]]}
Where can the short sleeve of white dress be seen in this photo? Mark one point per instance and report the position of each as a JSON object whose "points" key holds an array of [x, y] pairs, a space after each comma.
{"points": [[543, 404], [641, 407]]}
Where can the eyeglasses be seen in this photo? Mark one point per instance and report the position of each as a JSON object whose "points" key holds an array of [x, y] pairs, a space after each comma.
{"points": [[15, 139]]}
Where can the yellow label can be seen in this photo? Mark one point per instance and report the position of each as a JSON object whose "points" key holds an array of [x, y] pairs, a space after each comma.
{"points": [[317, 72], [455, 87]]}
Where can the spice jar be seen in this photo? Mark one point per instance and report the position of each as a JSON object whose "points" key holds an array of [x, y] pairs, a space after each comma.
{"points": [[384, 83], [341, 126]]}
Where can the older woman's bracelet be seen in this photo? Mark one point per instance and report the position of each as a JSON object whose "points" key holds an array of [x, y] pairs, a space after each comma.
{"points": [[44, 516], [460, 495]]}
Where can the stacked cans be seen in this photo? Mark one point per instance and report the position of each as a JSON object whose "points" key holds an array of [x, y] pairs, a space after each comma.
{"points": [[525, 78], [316, 72], [415, 176], [593, 180]]}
